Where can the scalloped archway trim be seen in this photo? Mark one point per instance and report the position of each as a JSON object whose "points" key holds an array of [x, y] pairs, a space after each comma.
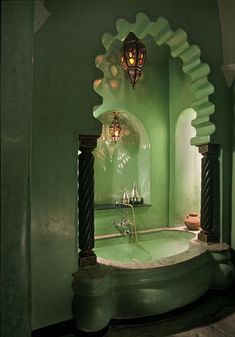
{"points": [[191, 65]]}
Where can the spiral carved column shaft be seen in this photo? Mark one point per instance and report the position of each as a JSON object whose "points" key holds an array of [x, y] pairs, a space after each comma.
{"points": [[86, 197], [86, 201], [209, 181], [207, 194]]}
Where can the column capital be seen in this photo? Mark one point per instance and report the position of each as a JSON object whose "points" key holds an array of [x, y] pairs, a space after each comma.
{"points": [[87, 142], [208, 149]]}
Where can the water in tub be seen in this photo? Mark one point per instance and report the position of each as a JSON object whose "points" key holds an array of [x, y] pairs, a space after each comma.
{"points": [[150, 246]]}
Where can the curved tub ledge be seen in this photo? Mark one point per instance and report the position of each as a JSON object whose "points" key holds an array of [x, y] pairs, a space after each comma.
{"points": [[222, 269], [130, 290]]}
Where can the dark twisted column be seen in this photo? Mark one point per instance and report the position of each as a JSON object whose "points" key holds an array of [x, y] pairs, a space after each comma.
{"points": [[209, 195], [86, 200]]}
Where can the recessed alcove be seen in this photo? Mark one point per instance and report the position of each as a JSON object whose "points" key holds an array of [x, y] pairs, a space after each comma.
{"points": [[187, 169], [119, 165]]}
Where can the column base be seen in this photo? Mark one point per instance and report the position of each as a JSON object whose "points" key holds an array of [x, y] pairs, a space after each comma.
{"points": [[86, 258], [208, 237], [99, 333], [92, 304]]}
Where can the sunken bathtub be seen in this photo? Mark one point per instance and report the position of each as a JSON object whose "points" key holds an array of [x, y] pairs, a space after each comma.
{"points": [[166, 269]]}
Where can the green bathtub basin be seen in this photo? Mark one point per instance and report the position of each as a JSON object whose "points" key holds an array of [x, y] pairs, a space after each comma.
{"points": [[164, 270]]}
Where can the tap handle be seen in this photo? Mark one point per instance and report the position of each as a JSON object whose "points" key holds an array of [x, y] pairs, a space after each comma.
{"points": [[126, 231], [116, 224]]}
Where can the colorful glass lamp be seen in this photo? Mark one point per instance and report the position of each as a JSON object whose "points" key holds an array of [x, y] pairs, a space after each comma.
{"points": [[133, 57], [115, 128]]}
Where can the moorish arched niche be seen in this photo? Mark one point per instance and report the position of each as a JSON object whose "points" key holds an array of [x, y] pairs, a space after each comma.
{"points": [[122, 163], [192, 66]]}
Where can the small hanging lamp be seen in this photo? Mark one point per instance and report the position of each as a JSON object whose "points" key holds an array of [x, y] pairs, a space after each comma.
{"points": [[133, 57], [115, 127]]}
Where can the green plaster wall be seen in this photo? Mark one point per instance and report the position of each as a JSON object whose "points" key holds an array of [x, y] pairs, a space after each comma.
{"points": [[64, 70], [233, 170], [16, 109], [63, 102]]}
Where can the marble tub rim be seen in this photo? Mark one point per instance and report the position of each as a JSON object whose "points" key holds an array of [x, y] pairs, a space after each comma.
{"points": [[196, 248]]}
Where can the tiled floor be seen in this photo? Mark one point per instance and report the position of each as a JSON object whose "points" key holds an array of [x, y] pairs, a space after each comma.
{"points": [[211, 316]]}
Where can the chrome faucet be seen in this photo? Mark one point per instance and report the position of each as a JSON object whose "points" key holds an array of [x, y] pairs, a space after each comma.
{"points": [[125, 226], [122, 226]]}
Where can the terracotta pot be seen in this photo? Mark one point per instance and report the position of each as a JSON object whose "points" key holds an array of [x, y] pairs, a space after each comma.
{"points": [[192, 221]]}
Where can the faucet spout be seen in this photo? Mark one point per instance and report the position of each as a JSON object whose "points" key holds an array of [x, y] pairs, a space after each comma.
{"points": [[124, 222]]}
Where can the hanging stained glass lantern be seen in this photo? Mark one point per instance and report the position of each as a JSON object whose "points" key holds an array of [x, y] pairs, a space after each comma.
{"points": [[115, 128], [133, 57]]}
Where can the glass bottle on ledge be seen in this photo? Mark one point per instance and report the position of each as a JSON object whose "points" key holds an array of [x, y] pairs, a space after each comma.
{"points": [[125, 198], [135, 198]]}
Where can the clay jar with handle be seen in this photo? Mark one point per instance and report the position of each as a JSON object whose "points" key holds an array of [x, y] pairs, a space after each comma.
{"points": [[192, 221]]}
